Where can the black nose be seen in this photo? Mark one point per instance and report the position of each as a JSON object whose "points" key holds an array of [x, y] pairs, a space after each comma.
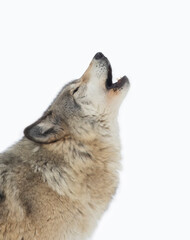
{"points": [[98, 55]]}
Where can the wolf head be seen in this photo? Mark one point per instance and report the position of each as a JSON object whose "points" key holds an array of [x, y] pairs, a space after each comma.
{"points": [[84, 108]]}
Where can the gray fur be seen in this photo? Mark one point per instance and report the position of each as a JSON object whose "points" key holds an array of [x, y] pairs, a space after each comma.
{"points": [[57, 181]]}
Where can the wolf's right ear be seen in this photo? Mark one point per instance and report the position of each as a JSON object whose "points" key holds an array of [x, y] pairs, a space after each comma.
{"points": [[47, 129]]}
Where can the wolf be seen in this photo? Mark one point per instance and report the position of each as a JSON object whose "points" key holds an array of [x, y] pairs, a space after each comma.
{"points": [[57, 181]]}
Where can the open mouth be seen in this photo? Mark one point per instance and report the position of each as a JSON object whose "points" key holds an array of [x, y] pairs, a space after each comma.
{"points": [[117, 85]]}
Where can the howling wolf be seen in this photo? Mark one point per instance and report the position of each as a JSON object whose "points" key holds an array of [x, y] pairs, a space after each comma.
{"points": [[57, 181]]}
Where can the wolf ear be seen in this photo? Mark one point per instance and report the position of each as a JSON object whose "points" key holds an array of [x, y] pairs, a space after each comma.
{"points": [[45, 130]]}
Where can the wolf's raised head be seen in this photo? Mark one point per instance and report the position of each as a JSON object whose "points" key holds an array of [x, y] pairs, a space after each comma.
{"points": [[84, 108]]}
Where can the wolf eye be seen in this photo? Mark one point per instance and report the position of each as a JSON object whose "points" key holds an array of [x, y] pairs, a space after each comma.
{"points": [[75, 90]]}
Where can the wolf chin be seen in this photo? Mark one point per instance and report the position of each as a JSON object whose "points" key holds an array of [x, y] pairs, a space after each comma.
{"points": [[57, 181]]}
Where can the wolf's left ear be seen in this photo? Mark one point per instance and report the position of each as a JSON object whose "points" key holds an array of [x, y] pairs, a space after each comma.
{"points": [[47, 129]]}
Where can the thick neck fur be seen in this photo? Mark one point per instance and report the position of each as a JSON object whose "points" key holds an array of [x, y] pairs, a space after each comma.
{"points": [[72, 167]]}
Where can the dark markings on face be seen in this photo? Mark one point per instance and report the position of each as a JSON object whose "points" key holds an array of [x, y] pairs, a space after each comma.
{"points": [[57, 120]]}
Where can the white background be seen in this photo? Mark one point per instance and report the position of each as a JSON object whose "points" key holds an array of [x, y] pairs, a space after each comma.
{"points": [[44, 44]]}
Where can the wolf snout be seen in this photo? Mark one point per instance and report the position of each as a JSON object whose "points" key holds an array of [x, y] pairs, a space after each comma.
{"points": [[99, 55]]}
